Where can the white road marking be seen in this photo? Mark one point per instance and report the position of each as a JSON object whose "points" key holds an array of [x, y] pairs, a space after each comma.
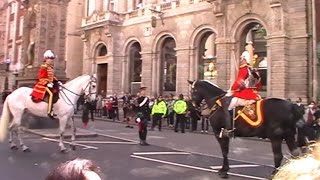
{"points": [[161, 153], [77, 144], [105, 142], [195, 167], [236, 166], [115, 137]]}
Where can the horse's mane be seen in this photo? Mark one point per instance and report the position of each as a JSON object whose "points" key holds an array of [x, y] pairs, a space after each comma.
{"points": [[211, 87], [72, 81]]}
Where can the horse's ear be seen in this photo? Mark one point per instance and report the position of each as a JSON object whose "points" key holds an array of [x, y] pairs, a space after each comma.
{"points": [[190, 82]]}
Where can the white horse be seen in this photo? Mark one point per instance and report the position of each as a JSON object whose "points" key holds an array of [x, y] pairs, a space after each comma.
{"points": [[20, 100]]}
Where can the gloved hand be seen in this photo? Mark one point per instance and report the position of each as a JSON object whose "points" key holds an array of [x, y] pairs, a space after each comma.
{"points": [[229, 93], [60, 83], [50, 85], [138, 120]]}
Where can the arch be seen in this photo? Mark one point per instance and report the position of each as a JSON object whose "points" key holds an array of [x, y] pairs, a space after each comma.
{"points": [[131, 40], [164, 81], [199, 43], [96, 46], [160, 38], [132, 65], [239, 26], [198, 32]]}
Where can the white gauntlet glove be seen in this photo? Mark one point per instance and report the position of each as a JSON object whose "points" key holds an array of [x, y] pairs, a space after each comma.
{"points": [[138, 120], [229, 93], [60, 83], [50, 85]]}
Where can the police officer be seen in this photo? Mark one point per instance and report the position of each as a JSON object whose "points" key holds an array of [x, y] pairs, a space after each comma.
{"points": [[143, 115], [180, 108], [159, 109]]}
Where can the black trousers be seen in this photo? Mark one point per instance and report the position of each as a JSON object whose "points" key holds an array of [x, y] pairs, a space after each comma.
{"points": [[204, 123], [170, 118], [143, 131], [157, 120], [180, 119]]}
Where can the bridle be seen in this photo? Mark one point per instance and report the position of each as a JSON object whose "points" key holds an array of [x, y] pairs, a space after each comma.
{"points": [[89, 85]]}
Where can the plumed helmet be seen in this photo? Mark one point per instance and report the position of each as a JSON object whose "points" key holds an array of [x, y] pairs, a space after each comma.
{"points": [[246, 55], [49, 55]]}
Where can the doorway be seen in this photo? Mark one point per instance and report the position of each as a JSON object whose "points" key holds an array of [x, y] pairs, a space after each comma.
{"points": [[102, 74]]}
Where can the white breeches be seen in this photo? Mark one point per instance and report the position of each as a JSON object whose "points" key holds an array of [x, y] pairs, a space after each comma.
{"points": [[235, 102]]}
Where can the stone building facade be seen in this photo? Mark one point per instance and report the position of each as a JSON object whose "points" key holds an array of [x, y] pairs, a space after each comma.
{"points": [[162, 44]]}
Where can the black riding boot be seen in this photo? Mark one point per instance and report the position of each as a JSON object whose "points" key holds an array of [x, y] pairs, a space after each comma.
{"points": [[227, 131]]}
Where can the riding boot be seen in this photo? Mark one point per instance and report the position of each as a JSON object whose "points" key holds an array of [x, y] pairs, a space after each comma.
{"points": [[227, 131]]}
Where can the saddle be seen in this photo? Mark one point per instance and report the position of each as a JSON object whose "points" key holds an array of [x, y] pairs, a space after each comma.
{"points": [[251, 114], [55, 93]]}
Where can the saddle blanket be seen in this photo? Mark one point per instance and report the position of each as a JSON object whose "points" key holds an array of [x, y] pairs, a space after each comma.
{"points": [[251, 114]]}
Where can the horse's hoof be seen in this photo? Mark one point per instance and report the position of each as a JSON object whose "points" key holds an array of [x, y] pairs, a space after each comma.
{"points": [[26, 150], [63, 150], [223, 175], [14, 148]]}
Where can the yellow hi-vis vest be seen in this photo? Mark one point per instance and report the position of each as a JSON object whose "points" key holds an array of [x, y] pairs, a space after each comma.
{"points": [[159, 108], [180, 106]]}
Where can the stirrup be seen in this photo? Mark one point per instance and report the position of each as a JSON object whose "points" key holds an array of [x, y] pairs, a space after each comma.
{"points": [[226, 133]]}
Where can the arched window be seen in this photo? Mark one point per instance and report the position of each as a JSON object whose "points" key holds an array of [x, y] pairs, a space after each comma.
{"points": [[135, 62], [207, 69], [168, 64], [101, 50]]}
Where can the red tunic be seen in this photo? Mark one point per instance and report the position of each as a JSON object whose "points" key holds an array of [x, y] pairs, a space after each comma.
{"points": [[244, 93], [45, 76]]}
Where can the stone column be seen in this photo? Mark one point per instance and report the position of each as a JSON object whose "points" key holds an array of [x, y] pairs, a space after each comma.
{"points": [[183, 66], [279, 66], [223, 65], [99, 5], [123, 6], [192, 61], [148, 72]]}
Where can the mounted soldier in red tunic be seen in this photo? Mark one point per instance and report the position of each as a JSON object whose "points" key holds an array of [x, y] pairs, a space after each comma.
{"points": [[47, 83], [243, 92]]}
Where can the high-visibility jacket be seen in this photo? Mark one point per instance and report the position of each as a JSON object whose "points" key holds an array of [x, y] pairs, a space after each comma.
{"points": [[180, 106], [159, 108]]}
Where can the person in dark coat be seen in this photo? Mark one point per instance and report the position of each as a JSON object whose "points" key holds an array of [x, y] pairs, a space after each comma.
{"points": [[143, 115], [194, 115]]}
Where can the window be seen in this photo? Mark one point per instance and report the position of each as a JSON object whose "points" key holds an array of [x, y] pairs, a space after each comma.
{"points": [[91, 6], [21, 26]]}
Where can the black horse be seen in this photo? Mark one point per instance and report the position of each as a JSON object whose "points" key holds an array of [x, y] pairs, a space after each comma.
{"points": [[280, 117]]}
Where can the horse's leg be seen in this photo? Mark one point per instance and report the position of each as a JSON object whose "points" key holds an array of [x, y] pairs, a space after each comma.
{"points": [[13, 145], [63, 124], [224, 145], [277, 152], [292, 145], [73, 137], [20, 133]]}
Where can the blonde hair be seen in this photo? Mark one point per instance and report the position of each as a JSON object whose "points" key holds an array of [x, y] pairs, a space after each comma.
{"points": [[304, 168]]}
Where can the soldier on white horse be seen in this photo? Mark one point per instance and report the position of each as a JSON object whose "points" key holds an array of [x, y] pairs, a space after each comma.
{"points": [[19, 101]]}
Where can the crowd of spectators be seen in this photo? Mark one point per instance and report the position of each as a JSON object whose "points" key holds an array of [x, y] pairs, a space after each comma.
{"points": [[110, 107]]}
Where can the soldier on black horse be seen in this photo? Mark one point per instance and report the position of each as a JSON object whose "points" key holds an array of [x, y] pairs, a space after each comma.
{"points": [[243, 92]]}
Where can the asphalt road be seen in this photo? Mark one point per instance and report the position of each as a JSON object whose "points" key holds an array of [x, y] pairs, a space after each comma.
{"points": [[171, 156]]}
